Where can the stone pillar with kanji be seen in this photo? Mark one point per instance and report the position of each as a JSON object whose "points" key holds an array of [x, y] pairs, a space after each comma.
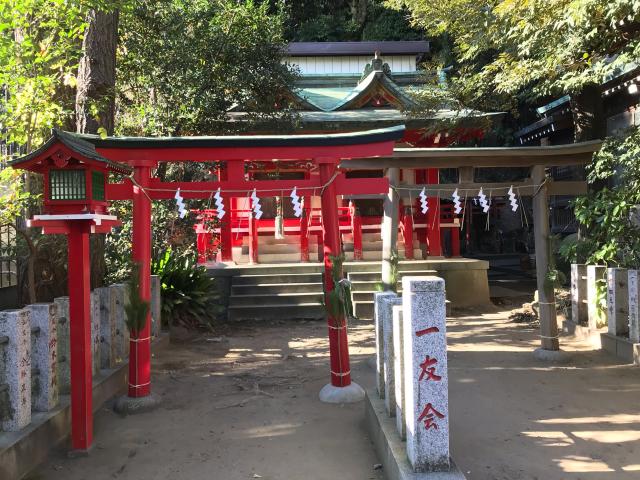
{"points": [[426, 379]]}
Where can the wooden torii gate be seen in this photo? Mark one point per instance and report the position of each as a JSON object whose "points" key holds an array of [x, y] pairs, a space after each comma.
{"points": [[142, 155], [539, 186]]}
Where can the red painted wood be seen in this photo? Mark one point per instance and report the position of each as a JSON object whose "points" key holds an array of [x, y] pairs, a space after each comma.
{"points": [[433, 217], [80, 336], [304, 235], [356, 229], [202, 190], [407, 222], [338, 343], [208, 154], [455, 242], [253, 239], [140, 344]]}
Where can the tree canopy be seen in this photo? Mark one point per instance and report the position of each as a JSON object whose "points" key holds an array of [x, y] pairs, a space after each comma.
{"points": [[183, 64], [530, 49]]}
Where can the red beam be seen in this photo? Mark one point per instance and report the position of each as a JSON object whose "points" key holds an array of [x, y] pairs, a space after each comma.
{"points": [[239, 188], [361, 186], [212, 154]]}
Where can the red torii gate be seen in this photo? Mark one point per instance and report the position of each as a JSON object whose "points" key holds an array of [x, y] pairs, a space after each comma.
{"points": [[144, 154], [325, 151]]}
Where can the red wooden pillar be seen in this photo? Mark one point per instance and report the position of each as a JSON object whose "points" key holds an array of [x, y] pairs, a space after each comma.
{"points": [[433, 217], [253, 239], [338, 342], [407, 222], [455, 242], [304, 235], [140, 342], [356, 230], [226, 233], [80, 336]]}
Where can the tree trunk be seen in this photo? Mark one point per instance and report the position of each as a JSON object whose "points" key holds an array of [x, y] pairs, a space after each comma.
{"points": [[587, 109], [95, 99], [359, 12]]}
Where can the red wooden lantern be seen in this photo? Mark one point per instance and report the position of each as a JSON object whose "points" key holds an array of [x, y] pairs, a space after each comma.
{"points": [[75, 205]]}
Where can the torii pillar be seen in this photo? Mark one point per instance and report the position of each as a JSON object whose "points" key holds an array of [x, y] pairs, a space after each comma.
{"points": [[433, 216], [341, 389], [139, 397]]}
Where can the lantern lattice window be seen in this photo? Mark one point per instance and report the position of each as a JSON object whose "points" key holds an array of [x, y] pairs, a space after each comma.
{"points": [[97, 185], [67, 185]]}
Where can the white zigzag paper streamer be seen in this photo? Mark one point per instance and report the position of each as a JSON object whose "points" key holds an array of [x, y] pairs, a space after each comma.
{"points": [[512, 199], [456, 202], [483, 201], [219, 204], [424, 204], [257, 209], [295, 200], [180, 202]]}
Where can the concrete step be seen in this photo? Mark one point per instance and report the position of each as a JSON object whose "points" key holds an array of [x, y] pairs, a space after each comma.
{"points": [[356, 277], [291, 248], [363, 310], [276, 299], [276, 288], [280, 257], [275, 277], [366, 295], [284, 311]]}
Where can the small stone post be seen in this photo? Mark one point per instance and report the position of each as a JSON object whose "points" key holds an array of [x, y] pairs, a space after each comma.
{"points": [[120, 291], [95, 333], [64, 352], [579, 314], [156, 306], [44, 355], [594, 274], [398, 368], [107, 327], [15, 325], [379, 313], [617, 301], [634, 306], [389, 354], [426, 377]]}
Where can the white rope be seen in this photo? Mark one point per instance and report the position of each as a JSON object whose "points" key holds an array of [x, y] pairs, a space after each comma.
{"points": [[348, 372], [139, 386], [138, 340]]}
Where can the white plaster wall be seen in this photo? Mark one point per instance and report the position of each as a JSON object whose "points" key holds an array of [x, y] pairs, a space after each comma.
{"points": [[349, 64]]}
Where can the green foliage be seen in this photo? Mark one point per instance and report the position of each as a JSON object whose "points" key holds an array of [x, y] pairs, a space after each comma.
{"points": [[184, 64], [189, 295], [600, 301], [381, 287], [40, 45], [610, 216], [338, 301], [530, 49], [137, 309], [346, 20]]}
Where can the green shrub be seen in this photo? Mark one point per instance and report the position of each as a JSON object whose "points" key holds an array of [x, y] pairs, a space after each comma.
{"points": [[189, 296]]}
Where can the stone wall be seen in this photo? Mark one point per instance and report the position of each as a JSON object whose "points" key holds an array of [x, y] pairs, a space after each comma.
{"points": [[34, 351], [412, 373]]}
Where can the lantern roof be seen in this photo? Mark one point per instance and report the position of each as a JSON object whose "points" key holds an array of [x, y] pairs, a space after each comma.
{"points": [[79, 148]]}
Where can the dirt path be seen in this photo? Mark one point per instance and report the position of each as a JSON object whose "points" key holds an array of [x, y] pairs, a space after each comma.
{"points": [[247, 407]]}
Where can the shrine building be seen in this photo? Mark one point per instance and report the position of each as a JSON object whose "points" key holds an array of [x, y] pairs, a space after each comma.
{"points": [[348, 87]]}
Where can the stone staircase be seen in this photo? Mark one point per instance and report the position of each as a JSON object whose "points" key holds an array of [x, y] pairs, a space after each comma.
{"points": [[295, 290], [372, 246], [274, 250], [365, 283], [277, 291]]}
